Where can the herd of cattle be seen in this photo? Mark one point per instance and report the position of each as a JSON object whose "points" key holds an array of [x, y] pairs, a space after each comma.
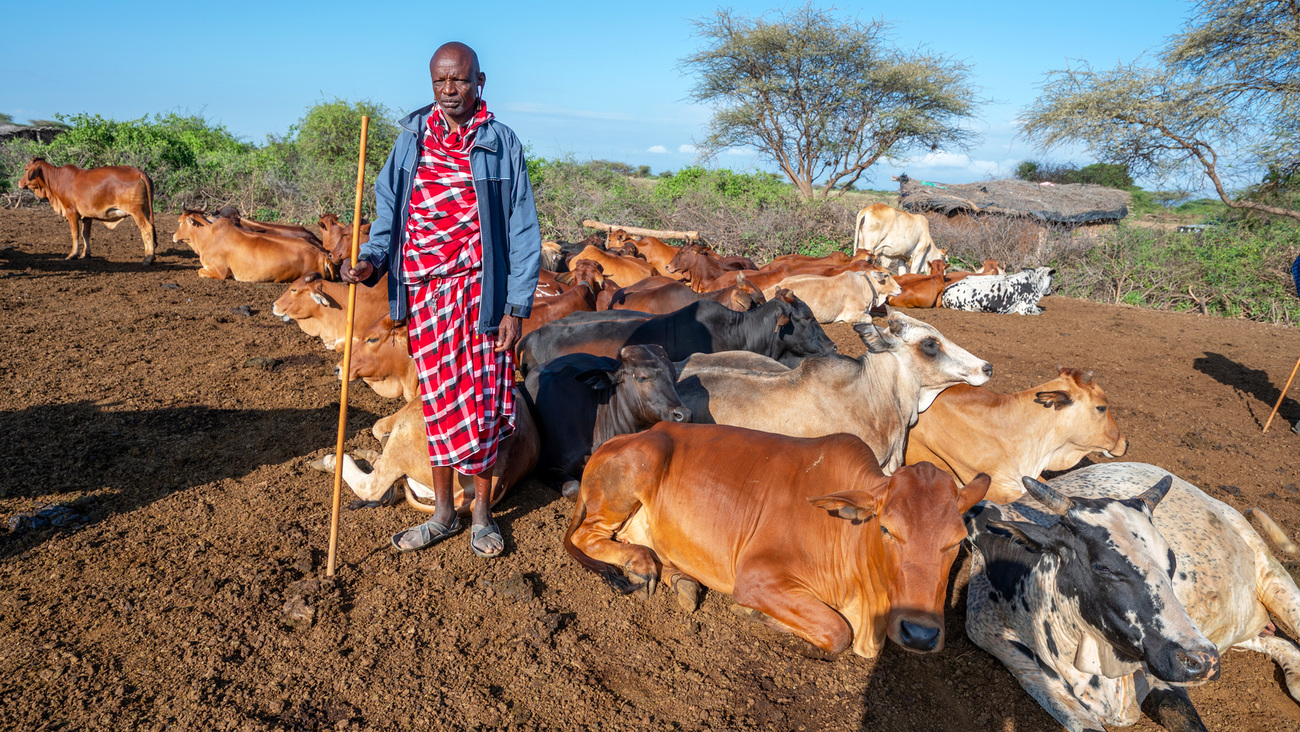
{"points": [[694, 409]]}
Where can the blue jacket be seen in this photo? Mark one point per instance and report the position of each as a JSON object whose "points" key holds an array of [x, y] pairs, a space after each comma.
{"points": [[512, 241]]}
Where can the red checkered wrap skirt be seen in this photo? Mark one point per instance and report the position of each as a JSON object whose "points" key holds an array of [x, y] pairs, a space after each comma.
{"points": [[467, 390]]}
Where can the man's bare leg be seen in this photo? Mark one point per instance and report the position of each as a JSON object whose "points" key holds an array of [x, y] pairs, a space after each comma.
{"points": [[442, 524], [485, 543]]}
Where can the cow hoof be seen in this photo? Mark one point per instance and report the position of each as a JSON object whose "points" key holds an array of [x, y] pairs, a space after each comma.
{"points": [[646, 590], [360, 504], [147, 260], [570, 489], [688, 593], [324, 464], [368, 455]]}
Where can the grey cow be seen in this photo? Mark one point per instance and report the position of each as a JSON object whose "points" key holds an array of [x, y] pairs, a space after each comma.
{"points": [[1105, 587]]}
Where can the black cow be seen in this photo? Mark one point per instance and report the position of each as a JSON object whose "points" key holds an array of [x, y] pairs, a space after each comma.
{"points": [[784, 329], [579, 401]]}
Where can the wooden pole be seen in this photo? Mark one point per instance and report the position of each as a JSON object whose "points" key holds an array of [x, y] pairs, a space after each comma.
{"points": [[1282, 396], [637, 231], [347, 354]]}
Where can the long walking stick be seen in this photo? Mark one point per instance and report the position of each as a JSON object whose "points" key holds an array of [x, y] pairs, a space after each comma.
{"points": [[347, 353], [1282, 396]]}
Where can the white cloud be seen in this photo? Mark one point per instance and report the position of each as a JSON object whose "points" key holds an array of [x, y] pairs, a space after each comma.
{"points": [[687, 149], [960, 162], [657, 149], [741, 151]]}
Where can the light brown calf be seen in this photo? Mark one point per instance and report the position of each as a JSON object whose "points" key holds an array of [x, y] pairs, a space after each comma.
{"points": [[381, 357], [229, 252], [320, 307], [623, 270]]}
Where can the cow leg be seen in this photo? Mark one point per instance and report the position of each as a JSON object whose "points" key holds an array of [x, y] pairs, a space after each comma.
{"points": [[687, 588], [1283, 652], [1171, 707], [603, 515], [74, 223], [85, 238], [368, 487], [384, 427], [147, 234], [792, 608]]}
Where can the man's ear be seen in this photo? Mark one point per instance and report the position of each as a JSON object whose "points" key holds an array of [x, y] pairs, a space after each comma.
{"points": [[853, 505], [1054, 399], [597, 378]]}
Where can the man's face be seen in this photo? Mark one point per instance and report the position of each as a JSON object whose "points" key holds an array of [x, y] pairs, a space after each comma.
{"points": [[456, 84]]}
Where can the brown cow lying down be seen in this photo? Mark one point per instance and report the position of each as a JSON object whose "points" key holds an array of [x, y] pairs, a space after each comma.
{"points": [[808, 534], [875, 397], [1052, 426], [108, 194], [660, 295], [848, 297], [294, 231], [990, 267], [406, 454], [227, 251], [336, 238], [921, 291], [320, 307], [381, 357]]}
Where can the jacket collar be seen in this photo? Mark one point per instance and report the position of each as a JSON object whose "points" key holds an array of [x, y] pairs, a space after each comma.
{"points": [[486, 137]]}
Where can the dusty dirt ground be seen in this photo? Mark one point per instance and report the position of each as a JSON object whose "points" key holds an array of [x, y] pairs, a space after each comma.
{"points": [[162, 608]]}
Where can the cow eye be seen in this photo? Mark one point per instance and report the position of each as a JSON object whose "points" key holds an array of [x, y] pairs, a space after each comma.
{"points": [[885, 531], [1103, 570], [930, 346], [372, 340], [1101, 410]]}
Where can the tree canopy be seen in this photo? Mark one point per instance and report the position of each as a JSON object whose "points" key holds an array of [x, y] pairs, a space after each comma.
{"points": [[1220, 102], [825, 98]]}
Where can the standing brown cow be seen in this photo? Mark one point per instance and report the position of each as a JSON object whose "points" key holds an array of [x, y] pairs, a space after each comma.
{"points": [[100, 194]]}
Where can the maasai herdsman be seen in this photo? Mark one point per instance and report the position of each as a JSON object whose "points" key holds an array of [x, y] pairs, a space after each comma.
{"points": [[456, 228]]}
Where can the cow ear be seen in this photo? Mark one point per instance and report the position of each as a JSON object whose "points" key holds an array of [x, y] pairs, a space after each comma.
{"points": [[1054, 399], [565, 278], [784, 294], [597, 378], [1033, 537], [875, 339], [319, 298], [852, 505], [973, 492], [781, 322]]}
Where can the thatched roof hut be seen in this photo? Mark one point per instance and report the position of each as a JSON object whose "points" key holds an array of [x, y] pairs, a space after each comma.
{"points": [[24, 132], [1054, 204]]}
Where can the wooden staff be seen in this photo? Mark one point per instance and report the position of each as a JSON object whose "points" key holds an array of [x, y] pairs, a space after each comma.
{"points": [[347, 353], [1282, 396], [637, 231]]}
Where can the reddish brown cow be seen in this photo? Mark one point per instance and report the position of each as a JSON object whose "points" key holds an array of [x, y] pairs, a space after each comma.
{"points": [[925, 291], [381, 357], [269, 227], [587, 284], [990, 267], [548, 285], [108, 194], [336, 237], [320, 307], [773, 275], [227, 251], [623, 270], [661, 295], [806, 533]]}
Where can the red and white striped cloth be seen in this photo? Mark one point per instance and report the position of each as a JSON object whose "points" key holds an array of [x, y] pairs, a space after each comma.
{"points": [[465, 388]]}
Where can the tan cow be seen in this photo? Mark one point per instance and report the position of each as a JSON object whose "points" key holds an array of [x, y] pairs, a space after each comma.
{"points": [[406, 454], [320, 307], [108, 194], [336, 237], [848, 297], [623, 270], [655, 251], [381, 357], [227, 251], [970, 430], [891, 234]]}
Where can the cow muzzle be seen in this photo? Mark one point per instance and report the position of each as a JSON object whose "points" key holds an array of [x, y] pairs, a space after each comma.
{"points": [[919, 637], [1120, 448], [681, 414]]}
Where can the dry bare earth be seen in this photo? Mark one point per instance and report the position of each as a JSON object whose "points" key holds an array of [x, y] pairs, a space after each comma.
{"points": [[165, 607]]}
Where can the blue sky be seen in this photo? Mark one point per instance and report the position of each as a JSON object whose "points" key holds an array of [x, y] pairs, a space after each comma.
{"points": [[591, 80]]}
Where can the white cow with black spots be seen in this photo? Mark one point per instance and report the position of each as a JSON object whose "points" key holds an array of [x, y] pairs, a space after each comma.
{"points": [[1013, 294], [1101, 590]]}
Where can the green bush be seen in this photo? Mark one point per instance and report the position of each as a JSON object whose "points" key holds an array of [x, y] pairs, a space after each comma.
{"points": [[1101, 174]]}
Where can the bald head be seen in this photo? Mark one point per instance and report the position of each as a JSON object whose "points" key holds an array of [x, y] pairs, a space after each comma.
{"points": [[457, 81]]}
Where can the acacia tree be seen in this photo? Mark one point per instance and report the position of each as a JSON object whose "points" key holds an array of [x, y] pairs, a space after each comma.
{"points": [[1220, 102], [825, 99]]}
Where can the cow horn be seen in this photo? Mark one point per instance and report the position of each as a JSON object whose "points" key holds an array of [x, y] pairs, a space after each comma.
{"points": [[1153, 495], [1053, 500], [1087, 377]]}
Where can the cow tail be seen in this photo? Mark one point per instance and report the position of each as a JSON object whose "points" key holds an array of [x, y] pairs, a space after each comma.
{"points": [[604, 569]]}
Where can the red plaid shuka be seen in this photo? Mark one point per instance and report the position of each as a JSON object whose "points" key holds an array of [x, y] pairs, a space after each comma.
{"points": [[465, 388]]}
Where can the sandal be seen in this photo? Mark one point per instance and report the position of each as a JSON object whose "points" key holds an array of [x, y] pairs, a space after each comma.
{"points": [[482, 531], [430, 532]]}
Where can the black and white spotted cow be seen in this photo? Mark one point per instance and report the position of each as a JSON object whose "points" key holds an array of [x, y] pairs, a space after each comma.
{"points": [[1101, 590], [1017, 293]]}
